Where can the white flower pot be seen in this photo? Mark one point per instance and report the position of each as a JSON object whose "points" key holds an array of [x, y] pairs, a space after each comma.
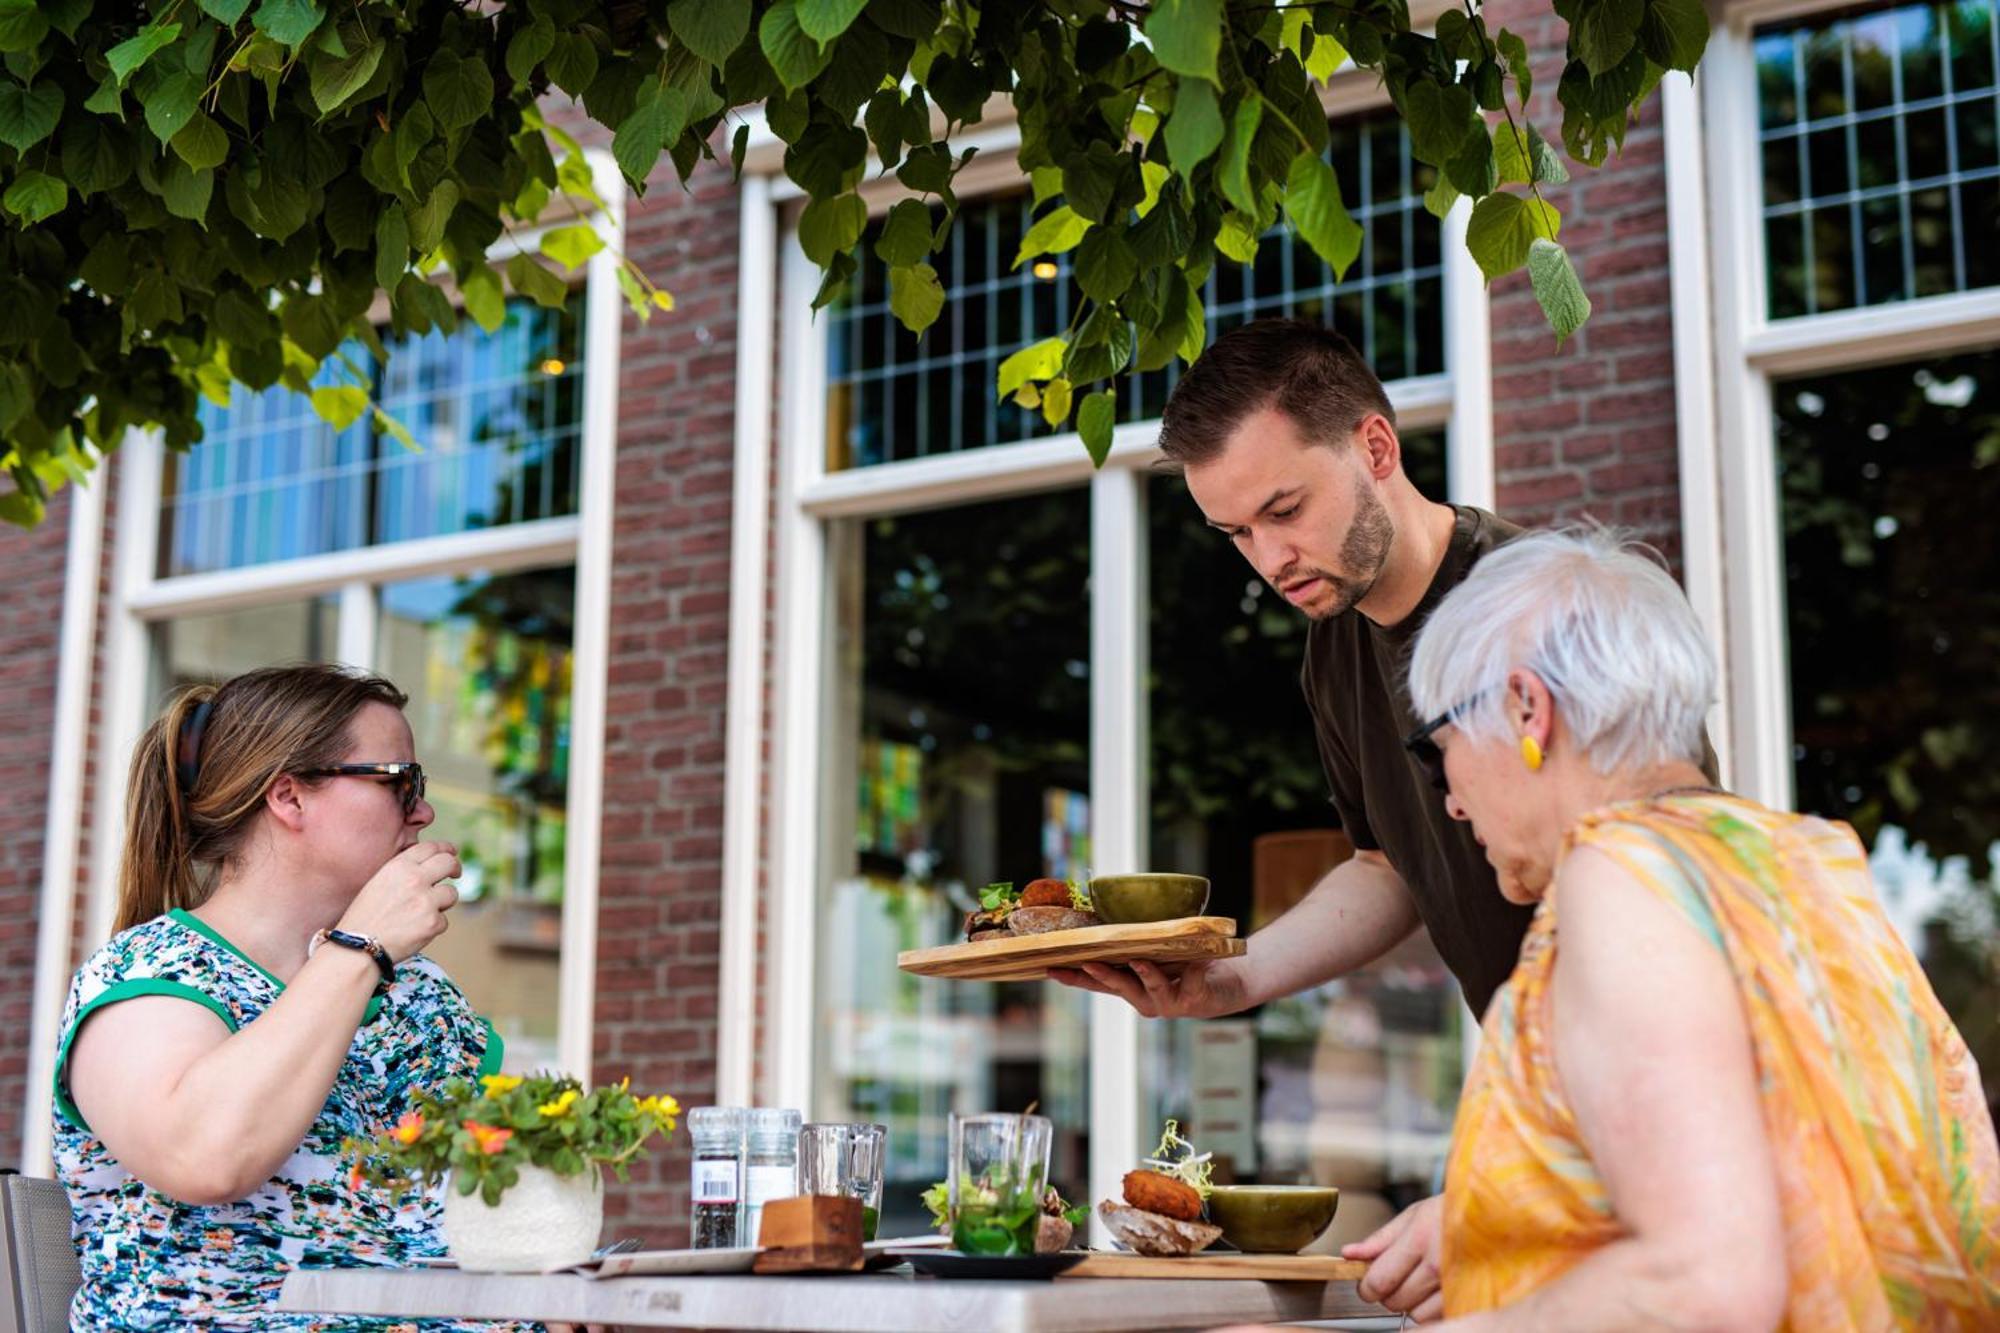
{"points": [[543, 1222]]}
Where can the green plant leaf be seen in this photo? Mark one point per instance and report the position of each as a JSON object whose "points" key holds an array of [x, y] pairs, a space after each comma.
{"points": [[1605, 31], [1194, 130], [536, 283], [392, 247], [35, 196], [1512, 158], [712, 29], [906, 234], [170, 104], [1094, 421], [22, 25], [1319, 214], [1557, 287], [1186, 35], [225, 12], [529, 47], [795, 57], [28, 115], [572, 62], [202, 142], [186, 191], [1515, 52], [1502, 228], [484, 300], [1547, 163], [429, 219], [96, 154], [1036, 361], [126, 57], [1056, 396], [1233, 172], [1327, 57], [1674, 33], [915, 296], [832, 226], [572, 246], [288, 22], [340, 406], [458, 90], [1105, 265], [824, 20], [1059, 230], [334, 81], [643, 135], [1439, 118]]}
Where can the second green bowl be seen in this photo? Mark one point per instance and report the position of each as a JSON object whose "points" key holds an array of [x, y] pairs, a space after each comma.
{"points": [[1125, 900], [1272, 1219]]}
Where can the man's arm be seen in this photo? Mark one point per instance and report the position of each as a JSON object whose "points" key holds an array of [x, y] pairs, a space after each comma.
{"points": [[1357, 912]]}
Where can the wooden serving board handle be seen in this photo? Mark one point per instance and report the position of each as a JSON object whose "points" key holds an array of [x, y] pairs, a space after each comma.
{"points": [[1224, 1267], [1027, 957]]}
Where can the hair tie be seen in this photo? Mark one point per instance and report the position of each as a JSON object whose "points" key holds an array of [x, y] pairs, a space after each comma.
{"points": [[187, 754]]}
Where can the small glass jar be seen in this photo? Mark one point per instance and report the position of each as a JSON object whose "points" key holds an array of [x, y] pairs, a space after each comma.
{"points": [[770, 1163], [716, 1211]]}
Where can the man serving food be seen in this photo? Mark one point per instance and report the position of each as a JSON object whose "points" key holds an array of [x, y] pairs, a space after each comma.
{"points": [[1289, 446]]}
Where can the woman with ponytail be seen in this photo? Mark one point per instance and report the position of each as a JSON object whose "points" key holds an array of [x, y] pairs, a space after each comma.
{"points": [[263, 1001]]}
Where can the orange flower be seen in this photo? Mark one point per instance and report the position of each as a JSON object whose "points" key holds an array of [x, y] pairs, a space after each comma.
{"points": [[355, 1180], [490, 1140], [408, 1129]]}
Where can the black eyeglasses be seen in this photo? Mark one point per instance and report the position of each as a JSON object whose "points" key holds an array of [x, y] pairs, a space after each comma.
{"points": [[407, 779], [1425, 750]]}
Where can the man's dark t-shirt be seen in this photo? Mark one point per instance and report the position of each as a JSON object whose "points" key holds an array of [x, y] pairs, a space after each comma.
{"points": [[1356, 684]]}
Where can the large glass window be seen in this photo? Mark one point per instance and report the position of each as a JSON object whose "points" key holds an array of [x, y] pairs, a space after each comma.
{"points": [[1881, 155], [486, 661], [496, 419], [1890, 478], [199, 649], [958, 753], [893, 396]]}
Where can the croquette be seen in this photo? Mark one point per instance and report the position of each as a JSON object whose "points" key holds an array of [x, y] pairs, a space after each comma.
{"points": [[1156, 1192], [1046, 893]]}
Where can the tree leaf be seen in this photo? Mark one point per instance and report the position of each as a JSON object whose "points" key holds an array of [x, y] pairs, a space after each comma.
{"points": [[1105, 266], [795, 57], [35, 196], [906, 235], [1055, 397], [334, 81], [1058, 230], [1036, 361], [392, 247], [96, 154], [572, 246], [28, 115], [170, 104], [22, 25], [202, 142], [459, 91], [1232, 174], [824, 20], [1512, 157], [484, 301], [536, 283], [1515, 52], [572, 62], [712, 29], [429, 219], [1557, 287], [833, 226], [225, 12], [1094, 421], [1186, 35], [1439, 118], [1502, 228], [1327, 57], [1319, 214], [186, 191], [529, 47], [1605, 32], [126, 57], [1547, 164], [915, 296], [288, 22], [654, 123], [1194, 130], [1674, 33], [340, 406]]}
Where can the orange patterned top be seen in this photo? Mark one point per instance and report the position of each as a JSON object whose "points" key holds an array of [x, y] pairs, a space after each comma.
{"points": [[1888, 1172]]}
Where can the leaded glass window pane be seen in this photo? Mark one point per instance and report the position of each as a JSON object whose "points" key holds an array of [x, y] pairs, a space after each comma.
{"points": [[892, 396], [1880, 135], [497, 419]]}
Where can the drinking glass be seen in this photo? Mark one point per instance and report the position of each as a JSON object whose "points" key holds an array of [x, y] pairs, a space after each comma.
{"points": [[999, 1170], [845, 1160]]}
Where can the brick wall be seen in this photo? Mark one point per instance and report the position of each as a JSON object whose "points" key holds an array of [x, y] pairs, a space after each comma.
{"points": [[1589, 429], [660, 890], [30, 628]]}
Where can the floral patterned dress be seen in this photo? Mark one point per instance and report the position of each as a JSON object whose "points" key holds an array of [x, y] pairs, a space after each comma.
{"points": [[151, 1262]]}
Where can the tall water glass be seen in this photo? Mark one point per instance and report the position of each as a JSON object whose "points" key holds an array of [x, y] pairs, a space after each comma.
{"points": [[999, 1170], [845, 1160]]}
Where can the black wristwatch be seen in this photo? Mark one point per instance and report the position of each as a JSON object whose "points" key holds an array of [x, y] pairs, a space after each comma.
{"points": [[368, 944]]}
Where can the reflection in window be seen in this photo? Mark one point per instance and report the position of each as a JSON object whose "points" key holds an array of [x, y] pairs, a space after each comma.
{"points": [[892, 396], [1891, 478], [212, 648], [486, 661], [1881, 155], [960, 708], [496, 417], [1353, 1083]]}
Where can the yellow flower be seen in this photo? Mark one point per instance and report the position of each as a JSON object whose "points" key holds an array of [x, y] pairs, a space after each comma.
{"points": [[560, 1105], [666, 1108], [497, 1085]]}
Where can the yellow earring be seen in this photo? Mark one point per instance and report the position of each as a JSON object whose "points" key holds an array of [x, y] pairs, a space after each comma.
{"points": [[1531, 753]]}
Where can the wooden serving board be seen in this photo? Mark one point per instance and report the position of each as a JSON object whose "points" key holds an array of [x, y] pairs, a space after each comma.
{"points": [[1027, 957], [1218, 1267]]}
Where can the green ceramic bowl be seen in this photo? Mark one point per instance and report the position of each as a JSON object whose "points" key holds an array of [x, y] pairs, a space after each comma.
{"points": [[1125, 900], [1272, 1219]]}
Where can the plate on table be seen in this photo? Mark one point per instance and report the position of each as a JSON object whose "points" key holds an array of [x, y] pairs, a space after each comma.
{"points": [[953, 1263]]}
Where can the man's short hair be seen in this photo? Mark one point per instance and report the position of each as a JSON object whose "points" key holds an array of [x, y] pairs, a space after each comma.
{"points": [[1305, 370]]}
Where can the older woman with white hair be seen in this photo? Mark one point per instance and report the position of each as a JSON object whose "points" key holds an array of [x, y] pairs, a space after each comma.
{"points": [[1717, 1091]]}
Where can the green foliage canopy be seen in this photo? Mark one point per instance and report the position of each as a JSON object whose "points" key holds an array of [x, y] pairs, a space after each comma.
{"points": [[200, 193]]}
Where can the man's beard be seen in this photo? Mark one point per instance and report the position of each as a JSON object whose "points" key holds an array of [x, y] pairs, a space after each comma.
{"points": [[1364, 552]]}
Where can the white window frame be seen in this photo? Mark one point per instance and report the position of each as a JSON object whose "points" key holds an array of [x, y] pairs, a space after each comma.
{"points": [[1750, 351], [807, 498], [140, 599]]}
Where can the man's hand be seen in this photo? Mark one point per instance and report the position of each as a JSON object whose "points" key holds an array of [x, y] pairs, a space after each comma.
{"points": [[1179, 990], [1402, 1260]]}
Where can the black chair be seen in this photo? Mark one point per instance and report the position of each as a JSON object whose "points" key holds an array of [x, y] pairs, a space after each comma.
{"points": [[38, 1264]]}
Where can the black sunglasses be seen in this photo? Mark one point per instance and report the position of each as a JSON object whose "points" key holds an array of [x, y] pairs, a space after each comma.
{"points": [[1425, 750], [407, 779]]}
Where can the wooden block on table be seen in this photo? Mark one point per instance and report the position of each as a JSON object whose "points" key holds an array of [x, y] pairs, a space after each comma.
{"points": [[813, 1233]]}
